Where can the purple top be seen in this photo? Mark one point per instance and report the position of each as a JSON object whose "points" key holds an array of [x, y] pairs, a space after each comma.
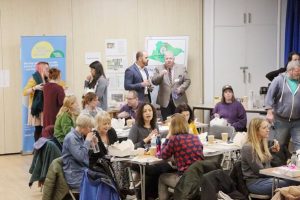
{"points": [[130, 110], [234, 113]]}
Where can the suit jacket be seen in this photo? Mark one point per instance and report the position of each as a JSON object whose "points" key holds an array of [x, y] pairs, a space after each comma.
{"points": [[133, 80], [181, 81]]}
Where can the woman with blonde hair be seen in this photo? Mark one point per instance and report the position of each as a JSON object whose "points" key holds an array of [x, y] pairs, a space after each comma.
{"points": [[66, 117], [255, 155], [107, 136], [184, 147]]}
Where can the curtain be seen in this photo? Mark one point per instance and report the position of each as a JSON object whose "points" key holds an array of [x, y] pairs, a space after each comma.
{"points": [[292, 28]]}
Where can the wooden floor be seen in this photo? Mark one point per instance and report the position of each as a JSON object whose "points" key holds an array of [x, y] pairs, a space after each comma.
{"points": [[14, 178]]}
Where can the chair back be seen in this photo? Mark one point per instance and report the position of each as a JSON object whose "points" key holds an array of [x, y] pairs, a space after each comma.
{"points": [[216, 130]]}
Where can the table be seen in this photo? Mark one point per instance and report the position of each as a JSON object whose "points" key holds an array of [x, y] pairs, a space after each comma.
{"points": [[277, 174], [214, 149], [210, 107]]}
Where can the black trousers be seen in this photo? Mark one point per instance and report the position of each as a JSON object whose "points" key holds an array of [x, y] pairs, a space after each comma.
{"points": [[37, 132], [169, 110]]}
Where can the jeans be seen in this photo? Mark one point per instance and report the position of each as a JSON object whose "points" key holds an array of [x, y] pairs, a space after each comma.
{"points": [[263, 186], [284, 130]]}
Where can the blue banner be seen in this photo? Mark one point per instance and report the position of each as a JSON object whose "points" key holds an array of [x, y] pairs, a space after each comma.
{"points": [[51, 49]]}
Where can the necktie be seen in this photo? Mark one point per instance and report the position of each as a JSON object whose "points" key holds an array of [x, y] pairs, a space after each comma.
{"points": [[170, 76]]}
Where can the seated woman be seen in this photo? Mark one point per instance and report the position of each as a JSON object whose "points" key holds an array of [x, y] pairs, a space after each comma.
{"points": [[141, 133], [75, 151], [107, 136], [255, 155], [185, 148], [90, 104], [66, 117], [186, 110], [231, 110], [145, 127]]}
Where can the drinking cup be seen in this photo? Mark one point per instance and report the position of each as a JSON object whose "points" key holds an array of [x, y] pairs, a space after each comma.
{"points": [[224, 137], [210, 139]]}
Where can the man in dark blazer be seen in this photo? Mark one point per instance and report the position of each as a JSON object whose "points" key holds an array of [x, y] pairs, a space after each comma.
{"points": [[173, 81], [137, 77]]}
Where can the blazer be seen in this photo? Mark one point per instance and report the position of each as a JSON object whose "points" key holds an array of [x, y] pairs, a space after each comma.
{"points": [[133, 80], [180, 81]]}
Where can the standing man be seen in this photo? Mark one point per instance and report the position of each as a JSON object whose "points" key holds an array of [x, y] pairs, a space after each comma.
{"points": [[283, 105], [137, 77], [173, 81]]}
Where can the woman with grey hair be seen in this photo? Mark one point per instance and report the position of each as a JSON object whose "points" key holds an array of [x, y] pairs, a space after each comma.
{"points": [[75, 150]]}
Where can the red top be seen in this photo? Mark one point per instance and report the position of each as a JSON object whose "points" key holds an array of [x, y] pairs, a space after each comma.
{"points": [[53, 99], [186, 149]]}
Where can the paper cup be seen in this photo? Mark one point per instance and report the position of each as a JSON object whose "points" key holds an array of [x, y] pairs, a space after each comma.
{"points": [[152, 151], [210, 139], [224, 137], [129, 122]]}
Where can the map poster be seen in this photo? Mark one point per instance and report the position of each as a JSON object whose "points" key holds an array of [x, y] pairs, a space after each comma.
{"points": [[156, 48]]}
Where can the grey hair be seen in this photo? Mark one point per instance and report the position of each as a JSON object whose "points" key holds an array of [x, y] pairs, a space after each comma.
{"points": [[292, 65], [85, 121]]}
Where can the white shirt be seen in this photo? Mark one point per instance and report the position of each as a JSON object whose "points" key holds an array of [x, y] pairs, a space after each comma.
{"points": [[144, 75]]}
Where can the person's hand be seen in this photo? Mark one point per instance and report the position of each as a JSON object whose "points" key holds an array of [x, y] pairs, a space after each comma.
{"points": [[216, 115], [152, 134], [276, 146], [39, 86], [146, 83], [270, 116], [89, 136], [164, 72], [89, 78]]}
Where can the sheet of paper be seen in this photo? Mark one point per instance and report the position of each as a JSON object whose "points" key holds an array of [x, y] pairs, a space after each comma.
{"points": [[4, 78]]}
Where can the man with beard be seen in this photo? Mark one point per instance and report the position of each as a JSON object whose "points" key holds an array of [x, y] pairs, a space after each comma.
{"points": [[137, 77]]}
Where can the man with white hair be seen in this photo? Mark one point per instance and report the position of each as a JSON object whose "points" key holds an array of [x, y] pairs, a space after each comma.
{"points": [[283, 105]]}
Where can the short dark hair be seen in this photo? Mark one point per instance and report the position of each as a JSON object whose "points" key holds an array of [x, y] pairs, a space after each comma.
{"points": [[140, 119], [185, 107], [138, 55]]}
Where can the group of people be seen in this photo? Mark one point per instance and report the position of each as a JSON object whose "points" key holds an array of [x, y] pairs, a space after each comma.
{"points": [[77, 130]]}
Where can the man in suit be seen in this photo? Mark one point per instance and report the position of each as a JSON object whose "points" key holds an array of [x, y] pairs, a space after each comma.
{"points": [[137, 77], [173, 81]]}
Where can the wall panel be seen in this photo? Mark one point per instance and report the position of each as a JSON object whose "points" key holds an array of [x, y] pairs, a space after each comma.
{"points": [[87, 24]]}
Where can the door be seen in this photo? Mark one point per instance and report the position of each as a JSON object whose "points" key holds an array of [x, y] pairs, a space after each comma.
{"points": [[229, 57], [230, 12]]}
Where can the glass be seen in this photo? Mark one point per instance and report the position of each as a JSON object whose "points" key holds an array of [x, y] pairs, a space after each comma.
{"points": [[94, 144]]}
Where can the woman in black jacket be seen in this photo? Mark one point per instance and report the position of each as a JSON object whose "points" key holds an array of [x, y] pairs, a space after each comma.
{"points": [[107, 136]]}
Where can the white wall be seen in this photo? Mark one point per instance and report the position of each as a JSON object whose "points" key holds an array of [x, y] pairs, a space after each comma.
{"points": [[87, 23]]}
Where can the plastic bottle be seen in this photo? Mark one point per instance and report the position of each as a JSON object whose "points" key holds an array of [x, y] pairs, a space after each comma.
{"points": [[158, 146], [294, 159]]}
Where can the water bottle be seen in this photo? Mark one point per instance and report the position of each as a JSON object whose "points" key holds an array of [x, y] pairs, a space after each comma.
{"points": [[158, 146], [294, 159]]}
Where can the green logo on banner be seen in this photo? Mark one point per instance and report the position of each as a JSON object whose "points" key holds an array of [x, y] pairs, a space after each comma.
{"points": [[57, 54]]}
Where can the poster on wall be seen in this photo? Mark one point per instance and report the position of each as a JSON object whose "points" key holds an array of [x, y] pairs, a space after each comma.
{"points": [[34, 49], [116, 64], [156, 48]]}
